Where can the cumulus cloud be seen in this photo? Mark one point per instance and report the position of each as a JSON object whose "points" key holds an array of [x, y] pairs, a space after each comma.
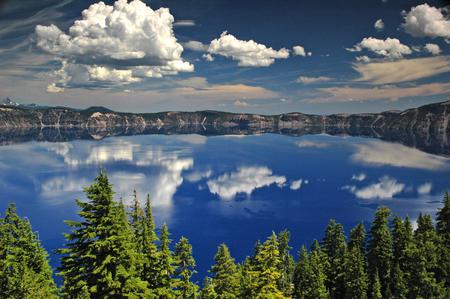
{"points": [[359, 177], [312, 80], [312, 144], [116, 43], [295, 185], [403, 70], [390, 48], [241, 103], [196, 46], [379, 25], [425, 188], [244, 180], [433, 49], [379, 153], [427, 21], [300, 51], [247, 53], [386, 188]]}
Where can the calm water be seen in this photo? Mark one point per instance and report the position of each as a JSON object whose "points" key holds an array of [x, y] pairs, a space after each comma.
{"points": [[232, 189]]}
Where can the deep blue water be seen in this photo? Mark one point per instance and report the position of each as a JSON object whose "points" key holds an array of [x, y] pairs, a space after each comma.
{"points": [[231, 189]]}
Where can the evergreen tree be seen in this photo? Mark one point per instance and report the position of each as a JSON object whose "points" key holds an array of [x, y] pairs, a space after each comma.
{"points": [[208, 291], [398, 285], [185, 269], [376, 287], [286, 266], [443, 230], [355, 277], [151, 268], [267, 263], [24, 269], [334, 245], [309, 277], [224, 274], [167, 267], [380, 249], [358, 238], [99, 259]]}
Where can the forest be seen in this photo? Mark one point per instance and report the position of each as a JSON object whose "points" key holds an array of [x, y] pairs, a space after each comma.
{"points": [[115, 251]]}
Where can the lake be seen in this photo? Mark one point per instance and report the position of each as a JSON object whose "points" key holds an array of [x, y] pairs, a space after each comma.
{"points": [[234, 189]]}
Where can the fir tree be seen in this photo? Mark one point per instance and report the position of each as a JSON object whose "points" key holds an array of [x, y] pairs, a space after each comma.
{"points": [[100, 258], [208, 291], [334, 246], [185, 269], [443, 230], [398, 285], [380, 249], [224, 274], [167, 267], [151, 267], [24, 269], [376, 287], [358, 238], [355, 277], [286, 266]]}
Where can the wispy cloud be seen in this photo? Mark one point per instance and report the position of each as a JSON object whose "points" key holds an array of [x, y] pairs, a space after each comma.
{"points": [[386, 188]]}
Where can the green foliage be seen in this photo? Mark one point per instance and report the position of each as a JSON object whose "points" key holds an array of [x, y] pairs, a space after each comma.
{"points": [[185, 268], [24, 269], [334, 246], [380, 249], [112, 253]]}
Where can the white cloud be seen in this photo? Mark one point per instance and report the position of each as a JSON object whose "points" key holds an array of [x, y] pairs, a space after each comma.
{"points": [[116, 44], [208, 57], [184, 23], [244, 180], [363, 59], [359, 177], [427, 21], [312, 80], [192, 138], [379, 153], [433, 49], [197, 176], [196, 46], [379, 25], [311, 144], [240, 103], [52, 88], [386, 188], [403, 70], [425, 188], [390, 48], [300, 51], [247, 53], [295, 185]]}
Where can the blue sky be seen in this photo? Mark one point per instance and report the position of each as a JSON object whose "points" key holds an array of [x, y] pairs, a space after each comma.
{"points": [[247, 56]]}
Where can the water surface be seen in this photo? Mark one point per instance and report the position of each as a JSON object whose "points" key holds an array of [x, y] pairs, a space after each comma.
{"points": [[233, 189]]}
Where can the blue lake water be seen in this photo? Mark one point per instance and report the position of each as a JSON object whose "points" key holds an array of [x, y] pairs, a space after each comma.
{"points": [[232, 189]]}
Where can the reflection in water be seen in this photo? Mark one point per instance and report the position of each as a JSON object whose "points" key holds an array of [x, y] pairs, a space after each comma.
{"points": [[221, 189]]}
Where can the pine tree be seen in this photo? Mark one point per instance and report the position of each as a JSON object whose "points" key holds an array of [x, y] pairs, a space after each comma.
{"points": [[167, 267], [376, 287], [358, 238], [443, 231], [208, 291], [24, 269], [380, 249], [185, 269], [100, 258], [151, 268], [334, 245], [355, 277], [224, 274], [309, 277], [398, 285], [286, 266]]}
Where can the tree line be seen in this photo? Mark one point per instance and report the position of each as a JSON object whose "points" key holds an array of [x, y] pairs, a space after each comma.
{"points": [[115, 251]]}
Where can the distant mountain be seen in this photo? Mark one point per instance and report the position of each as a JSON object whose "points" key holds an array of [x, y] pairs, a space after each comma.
{"points": [[8, 102]]}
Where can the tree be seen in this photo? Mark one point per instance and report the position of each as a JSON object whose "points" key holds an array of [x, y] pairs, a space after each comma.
{"points": [[99, 259], [443, 231], [151, 267], [358, 238], [309, 277], [208, 291], [334, 245], [376, 287], [185, 268], [24, 269], [398, 285], [224, 274], [286, 266], [167, 267], [355, 277], [380, 249]]}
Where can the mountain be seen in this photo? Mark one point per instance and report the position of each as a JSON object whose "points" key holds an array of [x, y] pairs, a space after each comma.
{"points": [[425, 127]]}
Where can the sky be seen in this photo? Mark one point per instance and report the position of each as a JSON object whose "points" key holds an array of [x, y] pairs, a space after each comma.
{"points": [[255, 56]]}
